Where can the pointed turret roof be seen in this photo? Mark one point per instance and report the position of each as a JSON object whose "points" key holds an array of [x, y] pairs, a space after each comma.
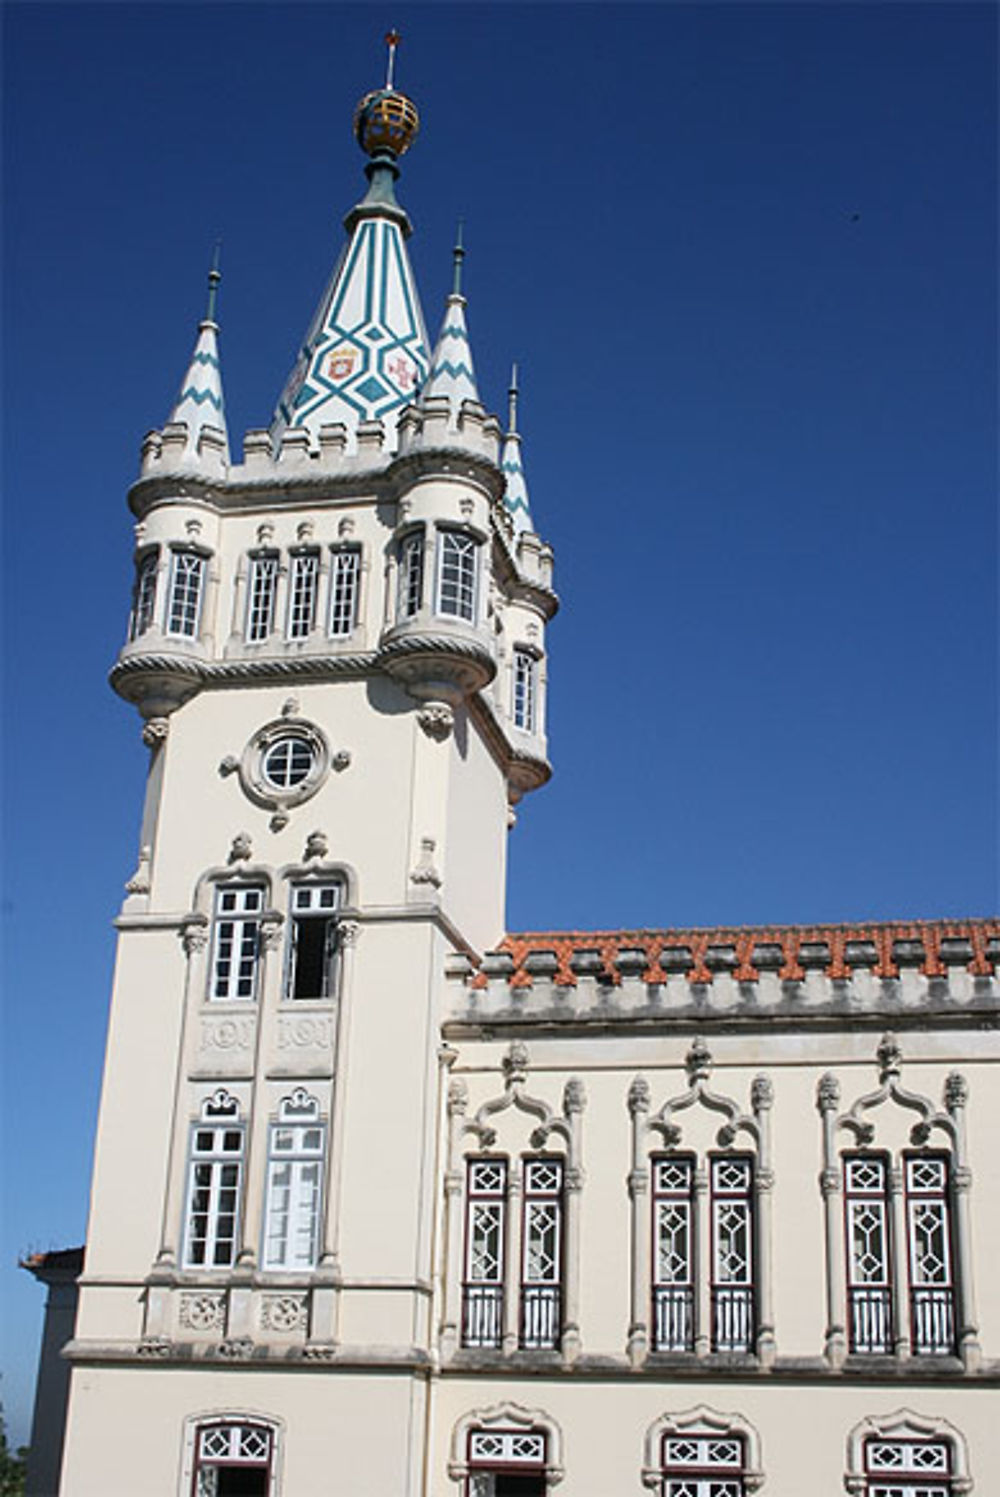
{"points": [[452, 374], [364, 356], [200, 402], [516, 494]]}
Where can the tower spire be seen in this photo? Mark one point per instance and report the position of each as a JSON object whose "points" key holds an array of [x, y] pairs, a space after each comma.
{"points": [[452, 373], [364, 355], [200, 404], [516, 494]]}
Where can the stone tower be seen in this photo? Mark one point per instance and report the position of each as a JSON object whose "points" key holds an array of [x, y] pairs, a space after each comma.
{"points": [[337, 648]]}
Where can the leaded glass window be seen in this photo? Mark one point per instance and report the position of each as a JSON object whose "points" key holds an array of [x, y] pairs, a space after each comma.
{"points": [[732, 1253], [869, 1258], [486, 1221], [303, 587], [928, 1225], [456, 584], [294, 1185], [908, 1468], [506, 1463], [233, 1460], [144, 605], [525, 690], [214, 1186], [236, 941], [541, 1254], [703, 1465], [673, 1253], [411, 575], [262, 594], [345, 575], [187, 574]]}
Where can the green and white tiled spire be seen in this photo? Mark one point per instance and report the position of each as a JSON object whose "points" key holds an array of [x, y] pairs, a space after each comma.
{"points": [[364, 356], [200, 402], [516, 494], [452, 374]]}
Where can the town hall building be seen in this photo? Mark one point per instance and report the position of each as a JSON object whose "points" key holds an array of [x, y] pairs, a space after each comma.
{"points": [[389, 1201]]}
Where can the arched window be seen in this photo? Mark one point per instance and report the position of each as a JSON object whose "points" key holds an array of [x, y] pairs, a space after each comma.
{"points": [[905, 1455], [233, 1457], [506, 1451], [702, 1453]]}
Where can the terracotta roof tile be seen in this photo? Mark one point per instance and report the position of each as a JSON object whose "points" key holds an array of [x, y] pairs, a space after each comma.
{"points": [[746, 950]]}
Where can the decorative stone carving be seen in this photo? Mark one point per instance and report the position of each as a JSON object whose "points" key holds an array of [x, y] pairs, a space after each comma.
{"points": [[340, 759], [139, 882], [425, 871], [236, 1349], [305, 1032], [956, 1091], [304, 530], [193, 528], [515, 1064], [265, 533], [194, 934], [227, 1034], [574, 1096], [283, 1312], [638, 1096], [348, 932], [466, 506], [229, 765], [346, 527], [154, 732], [270, 933], [698, 1061], [290, 707], [761, 1093], [458, 1097], [828, 1092], [241, 849], [154, 1347], [319, 1351], [202, 1312], [317, 846], [437, 720], [890, 1057], [279, 821]]}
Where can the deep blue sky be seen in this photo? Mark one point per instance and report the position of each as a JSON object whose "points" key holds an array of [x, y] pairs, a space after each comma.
{"points": [[745, 256]]}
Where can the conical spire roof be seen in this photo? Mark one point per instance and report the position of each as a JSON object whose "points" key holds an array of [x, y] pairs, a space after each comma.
{"points": [[364, 356], [200, 402], [516, 493], [452, 374]]}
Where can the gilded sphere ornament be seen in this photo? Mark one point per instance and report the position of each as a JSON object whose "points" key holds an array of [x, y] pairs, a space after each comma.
{"points": [[386, 121]]}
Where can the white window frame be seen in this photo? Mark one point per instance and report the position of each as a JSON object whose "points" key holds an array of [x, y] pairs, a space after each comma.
{"points": [[702, 1453], [185, 593], [320, 903], [733, 1287], [147, 570], [345, 591], [237, 915], [207, 1442], [870, 1321], [293, 1211], [215, 1165], [457, 575], [674, 1312], [541, 1295], [303, 593], [410, 580], [906, 1455], [525, 703], [932, 1290], [487, 1182], [262, 596]]}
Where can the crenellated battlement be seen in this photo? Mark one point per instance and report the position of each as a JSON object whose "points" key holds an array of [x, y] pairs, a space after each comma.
{"points": [[836, 974]]}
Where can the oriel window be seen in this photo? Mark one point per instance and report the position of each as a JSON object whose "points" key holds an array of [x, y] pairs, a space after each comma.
{"points": [[144, 605], [187, 576], [411, 575], [525, 690], [456, 587]]}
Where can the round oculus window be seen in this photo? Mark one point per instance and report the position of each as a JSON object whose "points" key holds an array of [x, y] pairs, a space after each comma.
{"points": [[284, 763], [287, 762]]}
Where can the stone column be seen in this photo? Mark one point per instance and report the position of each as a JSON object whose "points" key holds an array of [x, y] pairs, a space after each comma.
{"points": [[835, 1341], [512, 1265], [761, 1099], [897, 1257], [703, 1264], [574, 1101], [451, 1247], [638, 1190], [956, 1095]]}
